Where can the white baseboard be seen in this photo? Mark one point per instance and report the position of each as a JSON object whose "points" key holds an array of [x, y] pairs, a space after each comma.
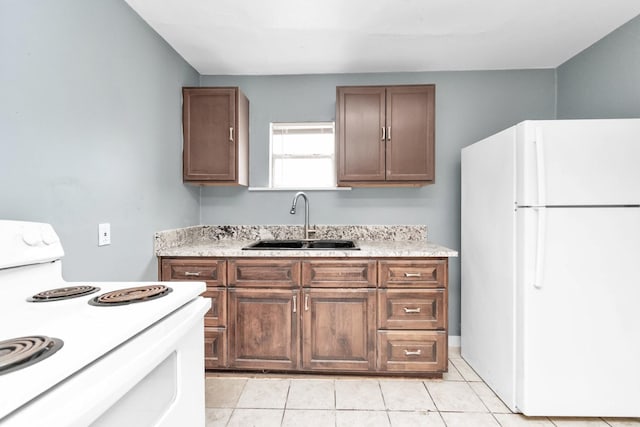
{"points": [[454, 340]]}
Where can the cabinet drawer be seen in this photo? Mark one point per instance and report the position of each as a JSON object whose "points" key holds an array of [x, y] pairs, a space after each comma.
{"points": [[415, 351], [415, 273], [213, 271], [339, 274], [217, 314], [414, 309], [215, 348], [270, 273]]}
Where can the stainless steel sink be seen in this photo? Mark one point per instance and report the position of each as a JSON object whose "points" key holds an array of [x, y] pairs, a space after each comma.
{"points": [[320, 244], [331, 244]]}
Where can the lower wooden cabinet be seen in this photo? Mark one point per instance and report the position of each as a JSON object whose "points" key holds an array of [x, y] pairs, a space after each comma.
{"points": [[263, 329], [412, 316], [322, 315], [214, 273], [338, 330]]}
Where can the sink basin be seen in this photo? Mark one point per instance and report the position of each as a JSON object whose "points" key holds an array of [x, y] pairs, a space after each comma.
{"points": [[302, 245], [331, 244], [276, 244]]}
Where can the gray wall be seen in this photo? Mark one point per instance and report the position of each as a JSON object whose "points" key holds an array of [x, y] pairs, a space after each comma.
{"points": [[469, 106], [90, 131], [603, 81]]}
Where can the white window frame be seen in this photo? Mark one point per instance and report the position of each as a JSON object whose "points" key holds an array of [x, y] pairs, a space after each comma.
{"points": [[301, 125]]}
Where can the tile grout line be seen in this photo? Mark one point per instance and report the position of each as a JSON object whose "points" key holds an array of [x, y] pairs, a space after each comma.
{"points": [[235, 405], [476, 393], [384, 402], [424, 384], [230, 415], [286, 400], [335, 404]]}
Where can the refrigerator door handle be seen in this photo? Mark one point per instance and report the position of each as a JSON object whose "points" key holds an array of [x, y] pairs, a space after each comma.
{"points": [[540, 170], [540, 245]]}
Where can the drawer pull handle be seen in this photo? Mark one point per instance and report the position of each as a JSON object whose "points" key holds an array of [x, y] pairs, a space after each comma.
{"points": [[295, 305], [411, 310], [192, 273], [411, 274], [412, 353], [306, 302]]}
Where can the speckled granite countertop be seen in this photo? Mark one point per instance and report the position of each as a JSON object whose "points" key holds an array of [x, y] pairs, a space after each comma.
{"points": [[227, 241]]}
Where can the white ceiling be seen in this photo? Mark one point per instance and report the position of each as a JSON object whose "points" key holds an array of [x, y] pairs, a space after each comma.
{"points": [[353, 36]]}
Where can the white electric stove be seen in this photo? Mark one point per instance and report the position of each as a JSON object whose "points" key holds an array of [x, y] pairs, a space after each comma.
{"points": [[136, 361]]}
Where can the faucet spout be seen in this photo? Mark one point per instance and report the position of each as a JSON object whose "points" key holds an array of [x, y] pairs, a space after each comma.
{"points": [[306, 211]]}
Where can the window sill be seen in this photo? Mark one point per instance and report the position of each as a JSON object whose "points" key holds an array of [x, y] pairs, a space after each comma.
{"points": [[300, 189]]}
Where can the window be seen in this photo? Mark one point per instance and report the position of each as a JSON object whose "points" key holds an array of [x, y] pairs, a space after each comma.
{"points": [[302, 155]]}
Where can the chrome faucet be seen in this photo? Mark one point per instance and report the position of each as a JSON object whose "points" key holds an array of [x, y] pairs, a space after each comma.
{"points": [[307, 232]]}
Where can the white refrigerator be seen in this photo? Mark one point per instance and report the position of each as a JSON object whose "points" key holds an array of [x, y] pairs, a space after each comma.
{"points": [[550, 266]]}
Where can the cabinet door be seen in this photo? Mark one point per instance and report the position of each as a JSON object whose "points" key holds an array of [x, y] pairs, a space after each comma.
{"points": [[209, 127], [360, 128], [410, 133], [263, 329], [338, 329]]}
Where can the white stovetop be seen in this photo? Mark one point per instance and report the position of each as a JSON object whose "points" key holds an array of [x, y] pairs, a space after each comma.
{"points": [[88, 332]]}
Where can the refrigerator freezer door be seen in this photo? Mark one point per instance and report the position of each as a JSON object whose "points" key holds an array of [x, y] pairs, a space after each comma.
{"points": [[577, 316], [578, 162]]}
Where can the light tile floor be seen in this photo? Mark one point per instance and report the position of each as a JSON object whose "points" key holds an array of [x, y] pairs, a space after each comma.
{"points": [[460, 399]]}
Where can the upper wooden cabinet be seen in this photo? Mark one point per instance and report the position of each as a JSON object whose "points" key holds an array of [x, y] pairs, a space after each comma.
{"points": [[385, 135], [215, 125]]}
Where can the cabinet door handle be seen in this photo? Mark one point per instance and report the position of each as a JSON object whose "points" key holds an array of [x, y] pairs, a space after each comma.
{"points": [[231, 134], [412, 353], [411, 274], [411, 310], [389, 133], [383, 134], [306, 302], [295, 304], [192, 273]]}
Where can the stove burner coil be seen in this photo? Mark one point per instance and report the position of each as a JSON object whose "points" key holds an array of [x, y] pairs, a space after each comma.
{"points": [[63, 293], [18, 353], [131, 295]]}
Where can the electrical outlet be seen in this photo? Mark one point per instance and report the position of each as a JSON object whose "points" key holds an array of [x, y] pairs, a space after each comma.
{"points": [[104, 234]]}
